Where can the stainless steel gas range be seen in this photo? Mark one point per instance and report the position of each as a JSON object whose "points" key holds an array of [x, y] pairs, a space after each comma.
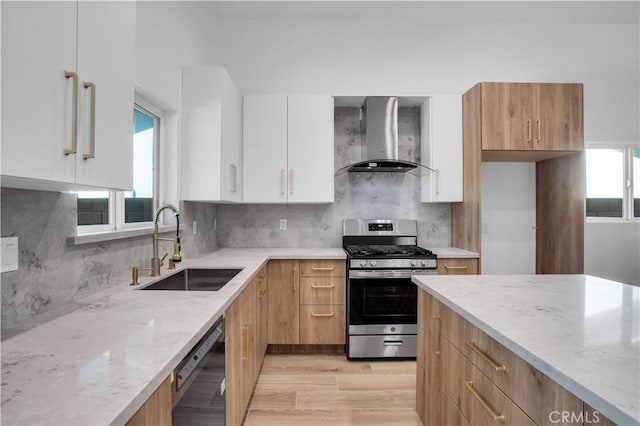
{"points": [[381, 299]]}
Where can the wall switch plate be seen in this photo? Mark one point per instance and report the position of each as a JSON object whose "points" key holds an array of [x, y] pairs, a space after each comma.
{"points": [[194, 227], [283, 224], [9, 254], [485, 228]]}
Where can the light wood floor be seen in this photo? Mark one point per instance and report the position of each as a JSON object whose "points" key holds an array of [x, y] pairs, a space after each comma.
{"points": [[327, 389]]}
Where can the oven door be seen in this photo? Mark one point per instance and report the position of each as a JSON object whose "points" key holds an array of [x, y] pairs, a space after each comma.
{"points": [[383, 302]]}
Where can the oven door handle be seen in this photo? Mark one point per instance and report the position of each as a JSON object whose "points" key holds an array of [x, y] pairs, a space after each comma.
{"points": [[382, 274]]}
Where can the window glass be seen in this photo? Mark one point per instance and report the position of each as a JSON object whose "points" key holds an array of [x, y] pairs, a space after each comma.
{"points": [[635, 159], [139, 204], [93, 208], [605, 189]]}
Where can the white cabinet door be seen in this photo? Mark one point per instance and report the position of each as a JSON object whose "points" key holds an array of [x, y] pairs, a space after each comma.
{"points": [[106, 43], [38, 46], [310, 149], [264, 151], [211, 151], [442, 148]]}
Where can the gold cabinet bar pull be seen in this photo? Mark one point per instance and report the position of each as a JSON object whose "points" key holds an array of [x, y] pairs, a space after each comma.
{"points": [[436, 319], [291, 181], [455, 266], [481, 354], [74, 121], [294, 272], [234, 177], [529, 131], [318, 268], [484, 403], [282, 183], [245, 343], [313, 314], [92, 122], [538, 138], [322, 286]]}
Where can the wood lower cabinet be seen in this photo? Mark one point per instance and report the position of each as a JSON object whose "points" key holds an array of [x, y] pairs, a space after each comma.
{"points": [[156, 410], [283, 301], [322, 324], [244, 347], [460, 266], [467, 377]]}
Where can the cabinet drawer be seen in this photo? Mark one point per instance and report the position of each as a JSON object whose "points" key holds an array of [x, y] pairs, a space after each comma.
{"points": [[451, 415], [322, 324], [536, 394], [457, 266], [480, 401], [322, 268], [322, 291]]}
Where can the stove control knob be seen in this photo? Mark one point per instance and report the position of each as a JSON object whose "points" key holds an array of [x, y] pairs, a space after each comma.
{"points": [[363, 263], [423, 263], [414, 263], [374, 263]]}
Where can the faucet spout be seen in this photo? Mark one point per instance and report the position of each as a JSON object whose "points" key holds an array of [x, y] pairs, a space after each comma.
{"points": [[156, 262]]}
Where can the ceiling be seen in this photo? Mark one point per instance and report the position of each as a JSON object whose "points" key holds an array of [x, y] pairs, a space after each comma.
{"points": [[602, 12]]}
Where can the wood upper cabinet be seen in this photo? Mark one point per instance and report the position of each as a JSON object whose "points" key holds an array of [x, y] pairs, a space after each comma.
{"points": [[211, 152], [283, 301], [59, 60], [288, 149], [532, 116]]}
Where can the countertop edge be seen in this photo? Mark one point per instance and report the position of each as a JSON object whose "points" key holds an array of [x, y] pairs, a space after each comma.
{"points": [[610, 410]]}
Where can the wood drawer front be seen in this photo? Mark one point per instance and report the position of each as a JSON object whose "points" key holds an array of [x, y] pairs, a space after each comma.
{"points": [[322, 324], [479, 399], [322, 268], [322, 291], [458, 266], [455, 328], [451, 415], [535, 393]]}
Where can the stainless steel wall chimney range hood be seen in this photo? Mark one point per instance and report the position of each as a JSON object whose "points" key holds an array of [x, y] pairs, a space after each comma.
{"points": [[379, 136]]}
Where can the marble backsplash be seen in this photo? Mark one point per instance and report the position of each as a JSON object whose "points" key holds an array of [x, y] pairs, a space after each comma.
{"points": [[53, 274], [357, 196]]}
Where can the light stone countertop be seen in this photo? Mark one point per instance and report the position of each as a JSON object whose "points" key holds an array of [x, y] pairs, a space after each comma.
{"points": [[454, 253], [99, 364], [581, 331]]}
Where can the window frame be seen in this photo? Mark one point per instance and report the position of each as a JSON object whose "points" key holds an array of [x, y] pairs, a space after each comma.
{"points": [[626, 183], [116, 203]]}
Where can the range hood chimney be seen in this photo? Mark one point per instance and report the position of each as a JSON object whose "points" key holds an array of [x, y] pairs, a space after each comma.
{"points": [[379, 136]]}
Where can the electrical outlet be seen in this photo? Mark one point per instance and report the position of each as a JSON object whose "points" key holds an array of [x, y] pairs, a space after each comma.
{"points": [[9, 254], [283, 224], [485, 228], [194, 227]]}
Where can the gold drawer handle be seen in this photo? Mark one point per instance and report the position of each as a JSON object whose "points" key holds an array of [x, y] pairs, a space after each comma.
{"points": [[313, 314], [245, 349], [495, 365], [436, 319], [323, 286], [92, 121], [455, 266], [74, 124], [317, 268], [484, 403]]}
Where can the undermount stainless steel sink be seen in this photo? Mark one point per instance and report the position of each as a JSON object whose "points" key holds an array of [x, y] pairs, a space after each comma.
{"points": [[195, 280]]}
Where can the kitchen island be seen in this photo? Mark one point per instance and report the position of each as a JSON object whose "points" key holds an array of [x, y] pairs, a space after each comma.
{"points": [[575, 336], [99, 364]]}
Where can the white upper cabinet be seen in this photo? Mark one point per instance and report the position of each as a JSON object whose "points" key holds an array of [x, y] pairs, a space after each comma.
{"points": [[310, 149], [441, 142], [288, 149], [57, 59], [211, 154]]}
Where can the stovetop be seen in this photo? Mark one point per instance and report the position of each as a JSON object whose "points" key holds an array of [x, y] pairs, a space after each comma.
{"points": [[388, 252]]}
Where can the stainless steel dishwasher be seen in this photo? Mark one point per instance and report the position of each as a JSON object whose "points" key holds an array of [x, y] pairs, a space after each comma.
{"points": [[199, 391]]}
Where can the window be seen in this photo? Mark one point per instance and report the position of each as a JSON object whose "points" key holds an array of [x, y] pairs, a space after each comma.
{"points": [[108, 211], [613, 182]]}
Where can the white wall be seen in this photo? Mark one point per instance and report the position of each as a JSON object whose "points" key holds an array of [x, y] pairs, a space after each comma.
{"points": [[612, 251], [508, 217]]}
